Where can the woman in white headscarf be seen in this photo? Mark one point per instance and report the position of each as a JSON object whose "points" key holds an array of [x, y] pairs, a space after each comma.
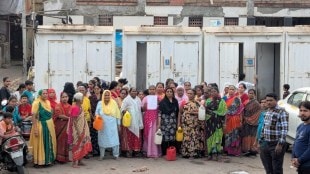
{"points": [[131, 136]]}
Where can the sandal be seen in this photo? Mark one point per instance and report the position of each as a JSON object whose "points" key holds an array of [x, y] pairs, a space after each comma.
{"points": [[75, 166], [81, 164]]}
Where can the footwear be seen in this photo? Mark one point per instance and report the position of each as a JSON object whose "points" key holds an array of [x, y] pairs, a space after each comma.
{"points": [[115, 157], [100, 158]]}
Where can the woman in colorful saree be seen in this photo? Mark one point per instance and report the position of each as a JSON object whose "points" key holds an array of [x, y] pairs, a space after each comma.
{"points": [[250, 119], [108, 137], [42, 137], [193, 128], [233, 123], [215, 117], [149, 122], [78, 132], [131, 136], [61, 117]]}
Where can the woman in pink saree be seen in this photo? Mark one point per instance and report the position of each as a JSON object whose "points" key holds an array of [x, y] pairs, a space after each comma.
{"points": [[149, 121]]}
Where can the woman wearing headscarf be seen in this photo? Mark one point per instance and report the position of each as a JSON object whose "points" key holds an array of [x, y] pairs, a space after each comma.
{"points": [[131, 136], [168, 111], [233, 123], [108, 137], [78, 132], [250, 123], [181, 96], [52, 98], [42, 137], [61, 118], [149, 122], [215, 118]]}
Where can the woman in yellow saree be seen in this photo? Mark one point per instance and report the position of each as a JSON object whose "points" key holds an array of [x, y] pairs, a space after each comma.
{"points": [[42, 138]]}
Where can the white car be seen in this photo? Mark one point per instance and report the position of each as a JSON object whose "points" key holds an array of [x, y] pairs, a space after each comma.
{"points": [[291, 103]]}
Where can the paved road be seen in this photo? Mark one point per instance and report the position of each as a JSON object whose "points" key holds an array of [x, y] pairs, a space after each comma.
{"points": [[251, 165]]}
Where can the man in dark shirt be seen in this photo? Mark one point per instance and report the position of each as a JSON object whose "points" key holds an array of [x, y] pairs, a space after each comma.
{"points": [[301, 149], [4, 91]]}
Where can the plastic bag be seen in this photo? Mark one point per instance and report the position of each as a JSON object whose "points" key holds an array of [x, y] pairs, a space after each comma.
{"points": [[126, 119]]}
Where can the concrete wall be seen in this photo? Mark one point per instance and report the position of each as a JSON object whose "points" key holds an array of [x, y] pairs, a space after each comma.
{"points": [[177, 12]]}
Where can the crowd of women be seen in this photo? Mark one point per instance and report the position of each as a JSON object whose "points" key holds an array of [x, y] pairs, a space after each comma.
{"points": [[63, 129]]}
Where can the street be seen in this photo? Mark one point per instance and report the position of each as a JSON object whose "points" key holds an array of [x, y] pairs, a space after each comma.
{"points": [[251, 165]]}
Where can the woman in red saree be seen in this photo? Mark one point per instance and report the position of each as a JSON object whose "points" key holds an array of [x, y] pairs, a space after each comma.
{"points": [[61, 117], [233, 123], [78, 132], [242, 94], [250, 124], [52, 98]]}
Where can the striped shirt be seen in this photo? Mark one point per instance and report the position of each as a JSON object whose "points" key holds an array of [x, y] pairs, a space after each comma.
{"points": [[275, 125]]}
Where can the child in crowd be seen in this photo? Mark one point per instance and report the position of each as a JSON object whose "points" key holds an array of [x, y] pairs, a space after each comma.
{"points": [[24, 108]]}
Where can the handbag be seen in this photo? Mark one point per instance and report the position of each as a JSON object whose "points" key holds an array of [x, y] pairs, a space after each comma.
{"points": [[179, 135], [158, 137], [98, 123], [126, 119], [202, 113]]}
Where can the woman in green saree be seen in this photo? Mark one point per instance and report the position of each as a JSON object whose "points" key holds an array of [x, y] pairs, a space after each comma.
{"points": [[215, 118], [42, 144]]}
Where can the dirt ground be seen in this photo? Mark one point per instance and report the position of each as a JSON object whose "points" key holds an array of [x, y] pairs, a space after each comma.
{"points": [[251, 165]]}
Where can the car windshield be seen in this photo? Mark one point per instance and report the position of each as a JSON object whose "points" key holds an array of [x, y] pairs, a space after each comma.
{"points": [[296, 98]]}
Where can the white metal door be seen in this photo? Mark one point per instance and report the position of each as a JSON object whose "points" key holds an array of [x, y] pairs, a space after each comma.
{"points": [[60, 61], [153, 53], [99, 60], [298, 66], [229, 63], [185, 62]]}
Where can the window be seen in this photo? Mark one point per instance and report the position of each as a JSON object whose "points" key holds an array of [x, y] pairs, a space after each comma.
{"points": [[308, 97], [296, 98], [270, 21], [231, 21], [158, 20], [195, 21], [105, 20]]}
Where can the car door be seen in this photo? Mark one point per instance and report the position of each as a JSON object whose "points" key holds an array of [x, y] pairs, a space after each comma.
{"points": [[292, 108]]}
